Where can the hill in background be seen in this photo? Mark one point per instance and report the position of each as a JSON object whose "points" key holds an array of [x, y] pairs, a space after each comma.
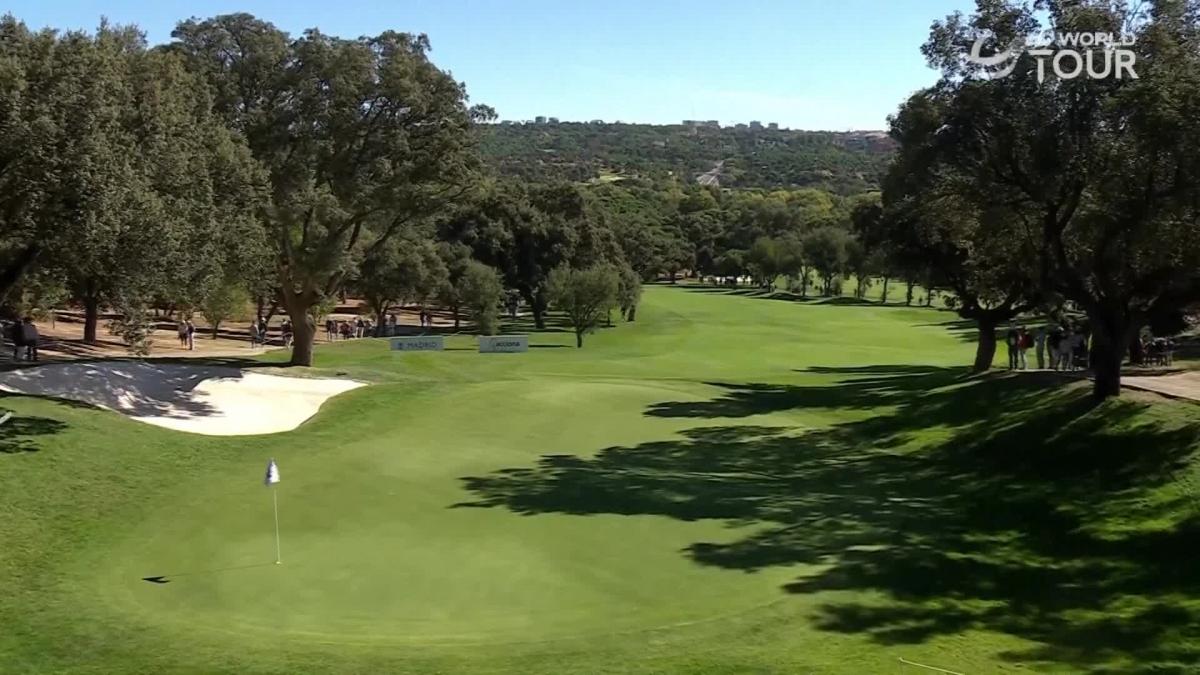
{"points": [[742, 156]]}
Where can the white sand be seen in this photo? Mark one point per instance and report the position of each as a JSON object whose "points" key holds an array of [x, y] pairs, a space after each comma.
{"points": [[202, 399]]}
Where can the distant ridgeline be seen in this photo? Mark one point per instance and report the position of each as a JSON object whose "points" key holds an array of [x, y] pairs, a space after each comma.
{"points": [[744, 156]]}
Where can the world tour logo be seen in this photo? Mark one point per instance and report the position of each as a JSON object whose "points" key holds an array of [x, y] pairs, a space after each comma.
{"points": [[1070, 55]]}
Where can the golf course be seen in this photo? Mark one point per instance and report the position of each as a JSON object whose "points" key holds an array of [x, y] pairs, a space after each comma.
{"points": [[729, 484]]}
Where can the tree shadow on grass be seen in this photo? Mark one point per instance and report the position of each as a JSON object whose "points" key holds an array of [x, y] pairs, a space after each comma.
{"points": [[1013, 505], [19, 433]]}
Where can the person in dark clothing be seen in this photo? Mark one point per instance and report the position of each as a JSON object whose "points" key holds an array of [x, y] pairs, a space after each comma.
{"points": [[1054, 342], [1012, 340], [29, 337], [13, 332]]}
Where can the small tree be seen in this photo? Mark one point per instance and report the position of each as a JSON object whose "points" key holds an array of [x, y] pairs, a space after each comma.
{"points": [[766, 260], [629, 291], [584, 295], [825, 249], [479, 291], [222, 302], [398, 271], [134, 327]]}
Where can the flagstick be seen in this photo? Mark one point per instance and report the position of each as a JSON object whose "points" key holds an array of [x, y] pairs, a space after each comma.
{"points": [[275, 501]]}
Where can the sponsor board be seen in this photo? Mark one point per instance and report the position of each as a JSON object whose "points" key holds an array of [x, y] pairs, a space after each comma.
{"points": [[423, 343], [503, 343]]}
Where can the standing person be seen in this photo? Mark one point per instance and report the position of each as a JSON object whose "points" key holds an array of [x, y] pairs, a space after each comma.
{"points": [[1039, 344], [1054, 343], [1011, 339], [358, 327], [345, 327], [29, 336], [191, 335], [183, 333], [391, 324], [253, 335], [1024, 342], [13, 332], [330, 329], [1066, 351], [285, 330]]}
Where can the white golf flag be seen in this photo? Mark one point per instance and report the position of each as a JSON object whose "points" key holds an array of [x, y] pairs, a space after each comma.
{"points": [[272, 473]]}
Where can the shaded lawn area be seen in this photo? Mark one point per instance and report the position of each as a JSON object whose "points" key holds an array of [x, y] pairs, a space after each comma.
{"points": [[1005, 504]]}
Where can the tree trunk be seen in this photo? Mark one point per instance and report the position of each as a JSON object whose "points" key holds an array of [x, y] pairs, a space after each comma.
{"points": [[632, 313], [303, 327], [985, 348], [578, 339], [908, 296], [91, 317], [215, 327], [929, 299], [457, 317], [1110, 340], [883, 299]]}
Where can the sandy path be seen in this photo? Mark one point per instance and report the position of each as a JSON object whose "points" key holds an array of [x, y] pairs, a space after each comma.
{"points": [[201, 399], [1179, 385]]}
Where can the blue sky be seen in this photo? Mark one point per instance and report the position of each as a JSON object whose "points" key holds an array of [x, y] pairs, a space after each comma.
{"points": [[806, 64]]}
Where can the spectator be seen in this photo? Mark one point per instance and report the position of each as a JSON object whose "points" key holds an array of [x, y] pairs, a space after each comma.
{"points": [[1039, 343], [1066, 351], [29, 337], [191, 335], [1012, 342]]}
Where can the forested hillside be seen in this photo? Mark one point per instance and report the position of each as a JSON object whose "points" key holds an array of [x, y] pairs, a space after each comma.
{"points": [[745, 156]]}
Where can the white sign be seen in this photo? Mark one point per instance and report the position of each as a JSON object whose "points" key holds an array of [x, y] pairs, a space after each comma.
{"points": [[431, 343], [503, 343]]}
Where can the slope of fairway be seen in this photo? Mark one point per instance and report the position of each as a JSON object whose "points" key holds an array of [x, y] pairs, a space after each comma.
{"points": [[730, 484]]}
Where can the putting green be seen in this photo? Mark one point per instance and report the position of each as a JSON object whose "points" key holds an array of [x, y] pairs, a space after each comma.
{"points": [[382, 543], [728, 485]]}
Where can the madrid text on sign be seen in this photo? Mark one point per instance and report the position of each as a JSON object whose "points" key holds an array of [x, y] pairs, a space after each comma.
{"points": [[434, 343]]}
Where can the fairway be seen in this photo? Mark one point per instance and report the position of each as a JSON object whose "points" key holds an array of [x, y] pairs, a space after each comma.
{"points": [[729, 484]]}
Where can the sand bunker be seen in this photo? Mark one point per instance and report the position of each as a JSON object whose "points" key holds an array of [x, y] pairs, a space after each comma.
{"points": [[202, 399]]}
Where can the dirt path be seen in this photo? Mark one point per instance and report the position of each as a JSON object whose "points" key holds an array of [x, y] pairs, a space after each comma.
{"points": [[1178, 384]]}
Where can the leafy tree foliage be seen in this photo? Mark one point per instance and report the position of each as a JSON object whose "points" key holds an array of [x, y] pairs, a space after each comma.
{"points": [[399, 272], [584, 295], [825, 250], [116, 173], [480, 291], [359, 138], [1100, 175], [629, 291], [223, 301]]}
